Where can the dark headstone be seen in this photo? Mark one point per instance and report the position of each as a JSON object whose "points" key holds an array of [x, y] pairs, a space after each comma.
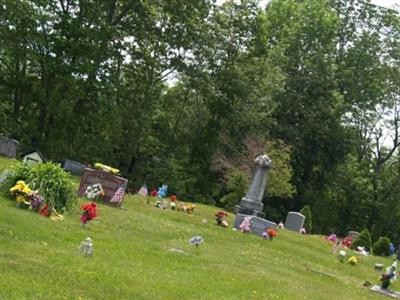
{"points": [[74, 167], [8, 147], [110, 183]]}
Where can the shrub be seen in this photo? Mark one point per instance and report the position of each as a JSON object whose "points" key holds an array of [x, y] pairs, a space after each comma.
{"points": [[364, 240], [306, 211], [381, 247], [53, 184]]}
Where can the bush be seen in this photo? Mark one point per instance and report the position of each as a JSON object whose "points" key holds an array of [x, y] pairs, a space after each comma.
{"points": [[306, 211], [381, 247], [364, 240], [53, 184]]}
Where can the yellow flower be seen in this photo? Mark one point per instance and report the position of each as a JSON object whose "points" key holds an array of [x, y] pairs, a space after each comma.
{"points": [[26, 190], [352, 260], [20, 199], [19, 186]]}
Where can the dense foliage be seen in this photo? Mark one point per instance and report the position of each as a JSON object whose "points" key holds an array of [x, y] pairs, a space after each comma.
{"points": [[50, 180], [363, 240], [186, 92], [381, 247], [306, 211]]}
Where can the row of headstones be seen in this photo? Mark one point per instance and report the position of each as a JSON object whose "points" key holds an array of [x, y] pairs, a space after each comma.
{"points": [[8, 148], [294, 221]]}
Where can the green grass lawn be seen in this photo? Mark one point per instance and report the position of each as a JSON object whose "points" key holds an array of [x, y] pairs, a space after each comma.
{"points": [[40, 259]]}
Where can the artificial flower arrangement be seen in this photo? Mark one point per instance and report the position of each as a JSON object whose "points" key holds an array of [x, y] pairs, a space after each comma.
{"points": [[187, 208], [25, 196], [106, 168], [270, 234], [94, 191], [220, 218], [246, 225], [89, 212], [347, 242], [352, 260], [173, 202], [342, 255]]}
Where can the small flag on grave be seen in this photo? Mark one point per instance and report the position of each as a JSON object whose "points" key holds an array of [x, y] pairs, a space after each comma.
{"points": [[143, 191], [119, 194]]}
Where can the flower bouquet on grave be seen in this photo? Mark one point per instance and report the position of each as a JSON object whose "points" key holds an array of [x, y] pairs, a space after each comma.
{"points": [[220, 218], [389, 276], [347, 242], [190, 208], [89, 212], [352, 260], [172, 204], [271, 233], [246, 224], [342, 255], [22, 192], [94, 192]]}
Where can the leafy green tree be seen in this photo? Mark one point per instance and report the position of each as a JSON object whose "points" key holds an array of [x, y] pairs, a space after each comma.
{"points": [[236, 186], [381, 247], [363, 240]]}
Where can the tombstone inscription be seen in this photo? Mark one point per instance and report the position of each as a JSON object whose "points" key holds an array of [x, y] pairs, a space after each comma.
{"points": [[110, 183]]}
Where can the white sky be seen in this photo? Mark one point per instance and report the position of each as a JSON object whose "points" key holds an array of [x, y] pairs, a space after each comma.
{"points": [[386, 3]]}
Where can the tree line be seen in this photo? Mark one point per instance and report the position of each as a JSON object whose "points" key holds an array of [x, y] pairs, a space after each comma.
{"points": [[188, 92]]}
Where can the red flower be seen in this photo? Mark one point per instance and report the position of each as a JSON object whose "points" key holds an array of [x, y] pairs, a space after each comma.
{"points": [[89, 212], [44, 211], [221, 214], [153, 193], [271, 232], [347, 241]]}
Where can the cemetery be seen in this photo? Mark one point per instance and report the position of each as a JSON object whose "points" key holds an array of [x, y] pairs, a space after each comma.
{"points": [[110, 243], [207, 149]]}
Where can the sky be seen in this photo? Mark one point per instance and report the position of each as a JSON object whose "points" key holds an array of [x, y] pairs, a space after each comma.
{"points": [[386, 3]]}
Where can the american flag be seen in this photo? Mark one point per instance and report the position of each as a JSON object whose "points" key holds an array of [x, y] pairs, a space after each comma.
{"points": [[143, 191], [119, 194]]}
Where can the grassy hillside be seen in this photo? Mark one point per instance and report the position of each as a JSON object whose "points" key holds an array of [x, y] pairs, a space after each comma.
{"points": [[143, 253]]}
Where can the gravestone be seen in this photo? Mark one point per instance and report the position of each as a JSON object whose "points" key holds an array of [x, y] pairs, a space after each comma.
{"points": [[294, 221], [110, 183], [258, 225], [74, 167], [8, 147], [353, 235], [251, 204]]}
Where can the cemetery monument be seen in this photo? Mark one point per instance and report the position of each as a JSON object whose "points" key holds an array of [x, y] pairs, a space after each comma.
{"points": [[251, 204]]}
